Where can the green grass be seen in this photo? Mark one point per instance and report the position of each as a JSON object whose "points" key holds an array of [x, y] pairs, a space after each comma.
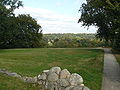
{"points": [[11, 83], [117, 55], [31, 62]]}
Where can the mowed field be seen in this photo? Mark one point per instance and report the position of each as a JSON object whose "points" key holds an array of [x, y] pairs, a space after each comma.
{"points": [[30, 62]]}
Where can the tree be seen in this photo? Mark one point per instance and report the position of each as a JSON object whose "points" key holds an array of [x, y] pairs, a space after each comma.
{"points": [[6, 19], [17, 32], [29, 33], [105, 14], [12, 5]]}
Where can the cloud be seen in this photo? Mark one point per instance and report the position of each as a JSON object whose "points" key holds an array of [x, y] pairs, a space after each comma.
{"points": [[53, 22]]}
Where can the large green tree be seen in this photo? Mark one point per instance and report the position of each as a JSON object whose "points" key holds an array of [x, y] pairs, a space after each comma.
{"points": [[7, 20], [105, 14], [20, 31], [29, 33]]}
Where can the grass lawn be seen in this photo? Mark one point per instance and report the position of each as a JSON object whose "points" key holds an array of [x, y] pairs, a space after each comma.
{"points": [[117, 55], [11, 83], [31, 62]]}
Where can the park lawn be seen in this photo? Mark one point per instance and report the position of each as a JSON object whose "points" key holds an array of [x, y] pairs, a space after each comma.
{"points": [[30, 62], [117, 55]]}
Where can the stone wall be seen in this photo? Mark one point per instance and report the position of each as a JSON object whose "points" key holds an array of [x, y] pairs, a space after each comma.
{"points": [[54, 79]]}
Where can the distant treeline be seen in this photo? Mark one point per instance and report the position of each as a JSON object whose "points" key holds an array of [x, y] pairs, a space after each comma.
{"points": [[70, 35], [71, 40]]}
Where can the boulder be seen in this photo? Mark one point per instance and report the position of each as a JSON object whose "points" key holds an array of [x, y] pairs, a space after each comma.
{"points": [[75, 79], [64, 74], [63, 82], [52, 77], [55, 70]]}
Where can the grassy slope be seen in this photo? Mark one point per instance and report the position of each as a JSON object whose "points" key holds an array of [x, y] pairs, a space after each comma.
{"points": [[30, 62]]}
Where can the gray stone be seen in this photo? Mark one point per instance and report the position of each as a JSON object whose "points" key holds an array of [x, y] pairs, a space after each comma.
{"points": [[69, 88], [43, 76], [30, 79], [77, 88], [75, 79], [46, 85], [52, 77], [35, 79], [46, 71], [64, 74], [39, 82], [63, 82], [55, 70], [13, 74], [50, 86], [24, 78], [61, 88], [2, 70]]}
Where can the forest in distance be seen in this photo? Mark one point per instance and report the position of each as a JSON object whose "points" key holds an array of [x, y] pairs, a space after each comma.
{"points": [[71, 40]]}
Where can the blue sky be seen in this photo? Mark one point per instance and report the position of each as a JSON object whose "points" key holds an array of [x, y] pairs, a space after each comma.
{"points": [[69, 7], [56, 16]]}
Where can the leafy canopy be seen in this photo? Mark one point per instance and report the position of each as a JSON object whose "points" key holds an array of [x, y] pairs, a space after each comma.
{"points": [[105, 14], [17, 32]]}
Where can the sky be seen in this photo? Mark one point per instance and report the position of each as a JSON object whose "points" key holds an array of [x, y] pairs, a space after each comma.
{"points": [[56, 16]]}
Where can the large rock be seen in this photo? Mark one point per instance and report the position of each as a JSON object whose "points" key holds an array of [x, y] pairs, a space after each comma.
{"points": [[63, 82], [55, 70], [52, 77], [64, 74], [75, 79]]}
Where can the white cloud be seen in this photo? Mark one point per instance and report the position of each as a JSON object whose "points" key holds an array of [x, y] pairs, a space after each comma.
{"points": [[53, 22]]}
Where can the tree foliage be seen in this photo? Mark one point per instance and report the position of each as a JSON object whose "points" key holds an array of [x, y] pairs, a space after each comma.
{"points": [[105, 14], [20, 31]]}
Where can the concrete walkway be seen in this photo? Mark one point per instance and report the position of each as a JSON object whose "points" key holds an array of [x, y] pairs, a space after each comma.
{"points": [[111, 76]]}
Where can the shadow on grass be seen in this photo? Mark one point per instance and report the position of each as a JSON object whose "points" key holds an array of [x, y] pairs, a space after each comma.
{"points": [[115, 51], [117, 55]]}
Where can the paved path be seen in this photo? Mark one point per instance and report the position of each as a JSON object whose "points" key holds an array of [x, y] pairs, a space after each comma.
{"points": [[111, 76]]}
